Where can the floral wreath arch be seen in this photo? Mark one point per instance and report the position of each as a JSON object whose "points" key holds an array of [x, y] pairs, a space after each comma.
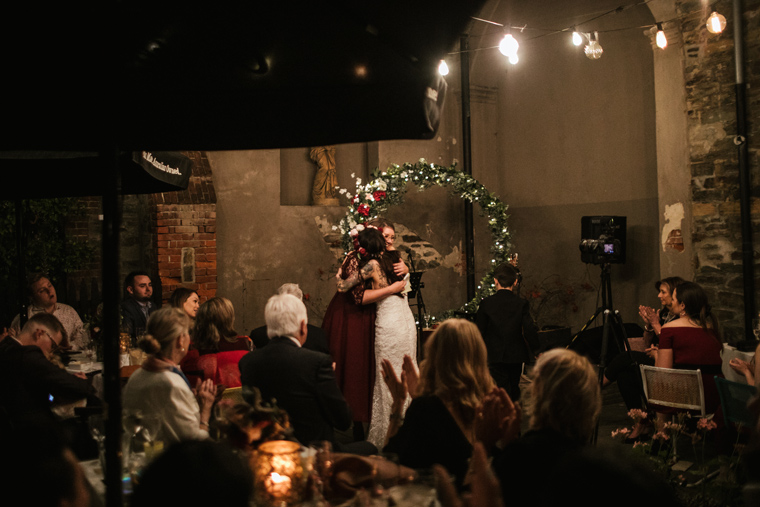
{"points": [[387, 188]]}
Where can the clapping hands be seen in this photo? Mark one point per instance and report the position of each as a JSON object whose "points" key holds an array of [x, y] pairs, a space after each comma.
{"points": [[649, 316], [400, 387], [498, 419]]}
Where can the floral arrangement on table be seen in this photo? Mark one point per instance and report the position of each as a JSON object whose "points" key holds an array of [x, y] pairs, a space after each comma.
{"points": [[387, 188], [247, 425]]}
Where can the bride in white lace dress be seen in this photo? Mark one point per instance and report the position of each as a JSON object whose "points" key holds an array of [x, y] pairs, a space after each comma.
{"points": [[395, 331]]}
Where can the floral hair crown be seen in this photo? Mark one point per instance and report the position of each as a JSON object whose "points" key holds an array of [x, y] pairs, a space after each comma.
{"points": [[354, 233]]}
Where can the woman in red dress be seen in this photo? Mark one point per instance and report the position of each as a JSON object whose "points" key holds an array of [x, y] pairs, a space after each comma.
{"points": [[350, 326], [693, 341]]}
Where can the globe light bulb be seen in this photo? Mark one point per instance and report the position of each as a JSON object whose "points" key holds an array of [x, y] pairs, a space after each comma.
{"points": [[443, 69], [577, 39], [716, 23], [660, 39], [508, 45], [593, 49]]}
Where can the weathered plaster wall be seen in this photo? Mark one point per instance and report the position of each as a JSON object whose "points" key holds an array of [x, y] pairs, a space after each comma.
{"points": [[556, 137], [568, 137]]}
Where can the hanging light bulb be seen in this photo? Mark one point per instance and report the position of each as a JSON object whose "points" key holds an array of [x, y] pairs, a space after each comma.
{"points": [[508, 45], [716, 23], [660, 39], [443, 69], [593, 49], [577, 39], [513, 59]]}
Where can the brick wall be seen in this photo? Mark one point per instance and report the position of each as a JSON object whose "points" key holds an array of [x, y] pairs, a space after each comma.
{"points": [[185, 234], [711, 110]]}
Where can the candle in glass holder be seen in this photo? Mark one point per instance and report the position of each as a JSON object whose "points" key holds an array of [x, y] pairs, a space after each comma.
{"points": [[278, 474]]}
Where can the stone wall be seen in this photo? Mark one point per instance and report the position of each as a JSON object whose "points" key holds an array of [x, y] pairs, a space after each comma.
{"points": [[709, 72]]}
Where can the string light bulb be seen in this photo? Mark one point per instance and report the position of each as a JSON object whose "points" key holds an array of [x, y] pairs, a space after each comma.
{"points": [[443, 69], [716, 23], [508, 45], [577, 38], [593, 49], [660, 39]]}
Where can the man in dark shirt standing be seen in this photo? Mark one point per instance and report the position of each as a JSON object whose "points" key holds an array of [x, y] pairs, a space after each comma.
{"points": [[508, 330]]}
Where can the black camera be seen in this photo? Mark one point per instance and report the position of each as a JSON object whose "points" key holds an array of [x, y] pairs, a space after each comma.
{"points": [[603, 240]]}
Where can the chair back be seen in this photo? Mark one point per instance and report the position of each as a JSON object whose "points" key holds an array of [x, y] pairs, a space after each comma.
{"points": [[222, 367], [234, 394], [734, 398], [678, 389]]}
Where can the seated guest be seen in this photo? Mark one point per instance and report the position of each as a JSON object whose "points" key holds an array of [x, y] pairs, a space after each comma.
{"points": [[624, 368], [510, 335], [160, 388], [453, 382], [316, 338], [185, 299], [30, 383], [301, 381], [217, 348], [41, 468], [566, 403], [214, 329], [210, 474], [693, 341], [137, 305], [43, 298]]}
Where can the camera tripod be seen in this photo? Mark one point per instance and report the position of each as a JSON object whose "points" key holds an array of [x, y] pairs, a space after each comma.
{"points": [[613, 324]]}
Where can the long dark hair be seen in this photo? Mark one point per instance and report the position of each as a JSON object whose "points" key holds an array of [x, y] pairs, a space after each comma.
{"points": [[373, 242], [696, 306]]}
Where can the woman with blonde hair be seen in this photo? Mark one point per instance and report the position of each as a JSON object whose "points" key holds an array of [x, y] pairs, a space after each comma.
{"points": [[214, 328], [159, 388], [566, 402], [439, 425]]}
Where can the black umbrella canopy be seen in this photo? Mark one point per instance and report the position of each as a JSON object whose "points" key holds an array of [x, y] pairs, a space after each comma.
{"points": [[227, 75], [78, 174]]}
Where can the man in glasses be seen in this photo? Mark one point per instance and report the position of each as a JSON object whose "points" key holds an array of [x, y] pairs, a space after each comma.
{"points": [[29, 382]]}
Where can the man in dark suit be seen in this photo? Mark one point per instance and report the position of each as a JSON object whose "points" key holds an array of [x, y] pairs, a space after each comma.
{"points": [[316, 338], [508, 330], [137, 305], [30, 384], [302, 381]]}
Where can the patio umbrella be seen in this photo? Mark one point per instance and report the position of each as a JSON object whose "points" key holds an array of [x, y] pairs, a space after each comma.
{"points": [[78, 174]]}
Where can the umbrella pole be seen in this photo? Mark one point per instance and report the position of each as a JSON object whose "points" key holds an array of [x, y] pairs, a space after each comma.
{"points": [[21, 256], [111, 327]]}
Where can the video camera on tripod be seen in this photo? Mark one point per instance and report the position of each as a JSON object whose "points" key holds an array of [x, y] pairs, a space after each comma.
{"points": [[603, 240]]}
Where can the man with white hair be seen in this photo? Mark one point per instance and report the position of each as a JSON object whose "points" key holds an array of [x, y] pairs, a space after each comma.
{"points": [[316, 339], [301, 380]]}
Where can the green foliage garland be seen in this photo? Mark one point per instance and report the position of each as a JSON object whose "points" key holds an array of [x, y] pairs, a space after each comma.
{"points": [[387, 188]]}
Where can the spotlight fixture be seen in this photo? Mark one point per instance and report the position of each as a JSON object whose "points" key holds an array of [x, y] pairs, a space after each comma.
{"points": [[716, 23], [593, 49], [660, 39]]}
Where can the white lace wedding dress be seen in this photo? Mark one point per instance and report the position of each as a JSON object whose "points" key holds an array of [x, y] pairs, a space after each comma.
{"points": [[395, 336]]}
